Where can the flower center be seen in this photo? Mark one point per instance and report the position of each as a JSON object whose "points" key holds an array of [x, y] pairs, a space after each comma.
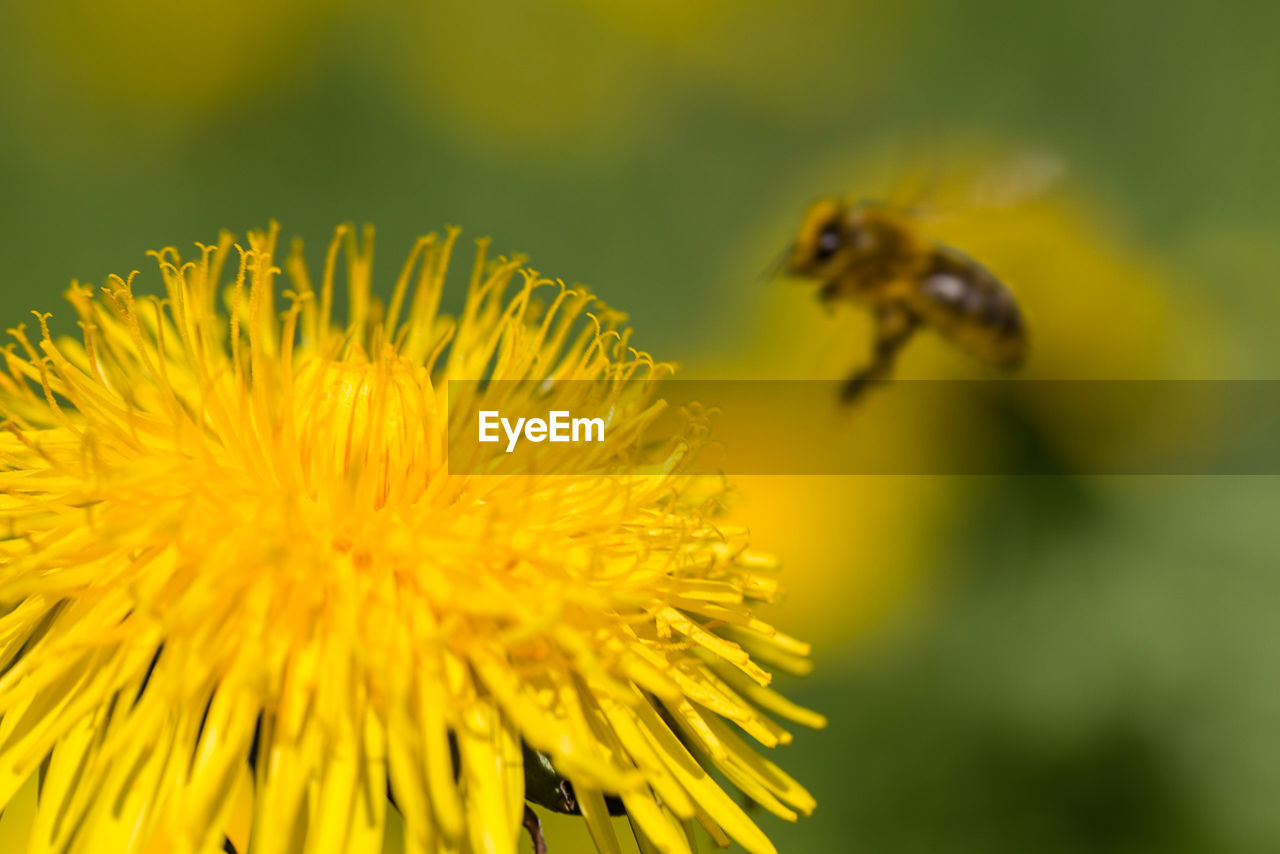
{"points": [[371, 426]]}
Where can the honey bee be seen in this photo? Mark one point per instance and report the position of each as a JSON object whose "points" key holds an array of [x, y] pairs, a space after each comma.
{"points": [[875, 254]]}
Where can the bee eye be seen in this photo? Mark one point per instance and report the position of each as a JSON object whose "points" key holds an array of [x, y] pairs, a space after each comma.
{"points": [[828, 242]]}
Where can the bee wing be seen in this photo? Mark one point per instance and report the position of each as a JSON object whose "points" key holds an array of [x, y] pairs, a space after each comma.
{"points": [[914, 183], [938, 186], [1025, 177]]}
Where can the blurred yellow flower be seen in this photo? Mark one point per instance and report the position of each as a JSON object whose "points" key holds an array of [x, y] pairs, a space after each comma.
{"points": [[242, 594], [545, 78], [166, 64]]}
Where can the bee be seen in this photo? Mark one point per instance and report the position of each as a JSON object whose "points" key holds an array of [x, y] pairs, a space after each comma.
{"points": [[875, 254]]}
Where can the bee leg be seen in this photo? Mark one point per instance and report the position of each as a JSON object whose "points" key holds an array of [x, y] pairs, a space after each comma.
{"points": [[894, 328], [854, 388], [534, 826], [829, 295]]}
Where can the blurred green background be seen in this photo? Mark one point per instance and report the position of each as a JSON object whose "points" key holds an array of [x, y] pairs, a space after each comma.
{"points": [[1017, 664]]}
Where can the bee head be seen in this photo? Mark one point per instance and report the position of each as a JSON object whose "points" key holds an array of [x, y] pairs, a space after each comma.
{"points": [[825, 240]]}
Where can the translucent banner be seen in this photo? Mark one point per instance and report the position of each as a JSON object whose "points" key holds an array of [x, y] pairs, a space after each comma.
{"points": [[896, 428]]}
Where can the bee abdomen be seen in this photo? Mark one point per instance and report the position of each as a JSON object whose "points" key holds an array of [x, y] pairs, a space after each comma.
{"points": [[993, 307], [972, 307]]}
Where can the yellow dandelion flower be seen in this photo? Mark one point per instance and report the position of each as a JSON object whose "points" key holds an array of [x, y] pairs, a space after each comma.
{"points": [[242, 595]]}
